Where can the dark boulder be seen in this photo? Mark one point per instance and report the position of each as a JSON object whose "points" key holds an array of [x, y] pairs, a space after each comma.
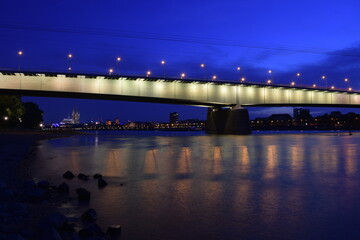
{"points": [[83, 177], [101, 183], [63, 188], [83, 194], [92, 230], [43, 185], [68, 175], [54, 220], [89, 215], [114, 230], [97, 176]]}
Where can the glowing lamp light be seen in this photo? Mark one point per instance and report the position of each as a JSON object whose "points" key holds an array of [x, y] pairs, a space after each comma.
{"points": [[292, 83], [332, 87], [243, 79], [69, 68], [148, 73], [20, 53], [118, 59], [162, 62], [298, 74], [323, 77], [111, 71], [269, 71], [346, 80], [70, 55], [182, 75], [314, 85], [41, 125], [6, 118], [214, 77], [269, 81], [238, 68], [202, 65], [350, 89]]}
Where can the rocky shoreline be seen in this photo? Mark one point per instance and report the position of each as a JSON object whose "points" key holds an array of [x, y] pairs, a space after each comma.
{"points": [[36, 210]]}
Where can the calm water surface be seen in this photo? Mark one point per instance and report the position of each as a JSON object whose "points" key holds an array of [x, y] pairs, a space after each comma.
{"points": [[196, 186]]}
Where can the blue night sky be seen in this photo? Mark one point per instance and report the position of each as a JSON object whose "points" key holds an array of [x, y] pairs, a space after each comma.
{"points": [[314, 38]]}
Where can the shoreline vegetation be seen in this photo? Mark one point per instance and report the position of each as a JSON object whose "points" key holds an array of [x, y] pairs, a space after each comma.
{"points": [[32, 209]]}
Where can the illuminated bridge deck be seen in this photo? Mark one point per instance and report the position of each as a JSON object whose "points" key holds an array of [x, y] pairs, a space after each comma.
{"points": [[170, 90]]}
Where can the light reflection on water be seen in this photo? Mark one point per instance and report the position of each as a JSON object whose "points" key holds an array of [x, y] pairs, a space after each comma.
{"points": [[293, 186]]}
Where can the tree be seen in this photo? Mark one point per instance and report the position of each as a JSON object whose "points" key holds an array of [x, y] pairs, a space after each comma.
{"points": [[11, 110], [33, 115]]}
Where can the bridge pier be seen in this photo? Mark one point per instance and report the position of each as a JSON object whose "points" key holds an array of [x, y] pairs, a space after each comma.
{"points": [[228, 121]]}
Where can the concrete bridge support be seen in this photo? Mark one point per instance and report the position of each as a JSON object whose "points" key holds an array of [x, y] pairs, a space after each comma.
{"points": [[228, 121]]}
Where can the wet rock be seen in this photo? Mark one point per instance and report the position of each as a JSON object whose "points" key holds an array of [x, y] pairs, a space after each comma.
{"points": [[68, 175], [18, 208], [89, 215], [35, 194], [54, 220], [97, 176], [101, 183], [63, 188], [49, 234], [83, 177], [114, 230], [91, 230], [83, 194], [14, 236], [43, 185]]}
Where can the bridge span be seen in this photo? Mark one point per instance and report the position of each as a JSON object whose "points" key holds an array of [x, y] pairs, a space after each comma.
{"points": [[173, 90]]}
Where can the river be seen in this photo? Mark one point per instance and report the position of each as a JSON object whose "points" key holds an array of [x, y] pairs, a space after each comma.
{"points": [[188, 185]]}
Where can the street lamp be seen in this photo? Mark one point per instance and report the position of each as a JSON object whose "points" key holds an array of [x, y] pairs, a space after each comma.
{"points": [[182, 75], [20, 53], [270, 77], [148, 73], [314, 85], [324, 77], [242, 79], [203, 67], [111, 71], [292, 83], [268, 81], [298, 75], [332, 87], [70, 56], [118, 59], [214, 77], [163, 66], [350, 89]]}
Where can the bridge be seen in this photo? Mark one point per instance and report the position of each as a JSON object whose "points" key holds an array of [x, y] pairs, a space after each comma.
{"points": [[214, 94]]}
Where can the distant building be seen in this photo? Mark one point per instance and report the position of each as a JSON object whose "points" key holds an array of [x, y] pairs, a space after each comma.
{"points": [[302, 117], [75, 118], [174, 117]]}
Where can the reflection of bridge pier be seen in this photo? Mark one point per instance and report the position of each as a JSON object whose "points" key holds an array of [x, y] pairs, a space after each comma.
{"points": [[228, 121]]}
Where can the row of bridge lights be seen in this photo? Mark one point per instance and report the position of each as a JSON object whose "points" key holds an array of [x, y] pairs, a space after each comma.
{"points": [[203, 66]]}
